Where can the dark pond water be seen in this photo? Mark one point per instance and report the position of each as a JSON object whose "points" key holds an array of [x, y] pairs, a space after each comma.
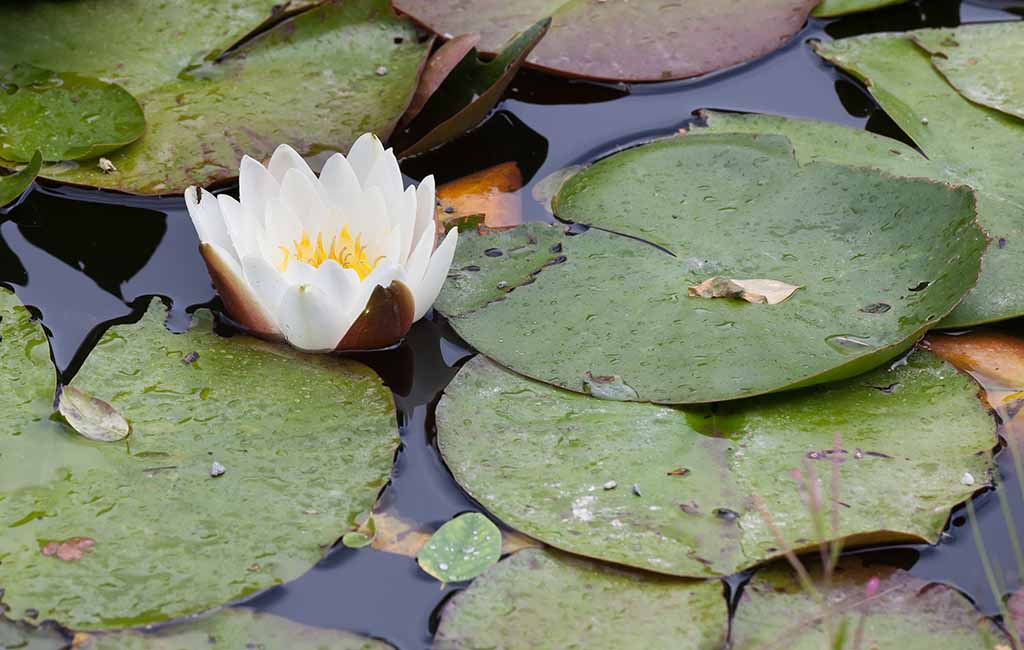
{"points": [[87, 259]]}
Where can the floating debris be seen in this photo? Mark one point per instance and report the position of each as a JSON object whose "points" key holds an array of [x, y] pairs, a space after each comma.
{"points": [[190, 358], [679, 471], [106, 166], [636, 489], [217, 469], [610, 485], [967, 479], [382, 70]]}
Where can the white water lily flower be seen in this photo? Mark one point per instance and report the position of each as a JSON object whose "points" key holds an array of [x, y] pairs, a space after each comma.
{"points": [[340, 262]]}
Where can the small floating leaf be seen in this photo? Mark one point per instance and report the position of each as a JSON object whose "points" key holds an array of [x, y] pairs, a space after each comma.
{"points": [[758, 292], [92, 417], [13, 185], [537, 600], [63, 116], [461, 549], [356, 540]]}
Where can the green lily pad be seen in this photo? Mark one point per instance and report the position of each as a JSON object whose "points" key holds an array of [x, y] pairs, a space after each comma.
{"points": [[461, 549], [471, 90], [316, 81], [670, 489], [624, 41], [14, 185], [976, 145], [234, 629], [980, 61], [101, 534], [729, 205], [833, 8], [901, 611], [538, 600], [64, 116]]}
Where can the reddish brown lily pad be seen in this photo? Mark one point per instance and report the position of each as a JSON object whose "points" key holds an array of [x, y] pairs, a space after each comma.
{"points": [[624, 41]]}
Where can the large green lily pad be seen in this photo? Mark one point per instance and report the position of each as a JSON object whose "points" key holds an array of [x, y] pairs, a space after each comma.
{"points": [[976, 145], [670, 490], [316, 82], [880, 259], [902, 612], [624, 41], [234, 629], [981, 61], [63, 116], [115, 534], [538, 600]]}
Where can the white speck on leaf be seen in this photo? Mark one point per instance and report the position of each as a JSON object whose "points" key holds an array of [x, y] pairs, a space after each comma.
{"points": [[217, 469], [967, 479]]}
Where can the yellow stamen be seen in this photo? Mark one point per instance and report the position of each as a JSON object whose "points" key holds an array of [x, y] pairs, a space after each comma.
{"points": [[349, 253]]}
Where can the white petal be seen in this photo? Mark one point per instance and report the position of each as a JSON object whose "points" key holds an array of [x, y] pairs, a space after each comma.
{"points": [[426, 205], [286, 158], [403, 218], [310, 320], [239, 226], [363, 155], [299, 273], [255, 187], [207, 218], [340, 283], [340, 183], [437, 270], [283, 227], [301, 196], [267, 284], [416, 267], [371, 219], [385, 175]]}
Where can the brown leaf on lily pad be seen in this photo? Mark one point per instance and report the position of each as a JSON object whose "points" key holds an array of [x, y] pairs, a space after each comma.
{"points": [[489, 194], [392, 534], [757, 291], [92, 417], [70, 550]]}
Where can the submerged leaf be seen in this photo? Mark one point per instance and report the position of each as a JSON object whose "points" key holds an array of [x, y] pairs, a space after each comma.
{"points": [[63, 116], [490, 194], [471, 90], [461, 549], [14, 185], [310, 81], [904, 452], [538, 600], [92, 417], [624, 41]]}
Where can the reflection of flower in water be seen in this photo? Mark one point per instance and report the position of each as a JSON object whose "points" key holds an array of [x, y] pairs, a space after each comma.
{"points": [[343, 261]]}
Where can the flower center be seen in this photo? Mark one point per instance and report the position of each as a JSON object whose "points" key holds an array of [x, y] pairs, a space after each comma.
{"points": [[349, 253]]}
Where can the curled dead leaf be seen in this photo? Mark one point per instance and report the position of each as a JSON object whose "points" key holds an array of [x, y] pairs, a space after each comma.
{"points": [[440, 65], [392, 534], [757, 291], [91, 417], [489, 194], [70, 550]]}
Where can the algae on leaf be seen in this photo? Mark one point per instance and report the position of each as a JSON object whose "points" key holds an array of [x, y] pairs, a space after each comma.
{"points": [[313, 81], [908, 435], [971, 144], [562, 308], [309, 442], [540, 600]]}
